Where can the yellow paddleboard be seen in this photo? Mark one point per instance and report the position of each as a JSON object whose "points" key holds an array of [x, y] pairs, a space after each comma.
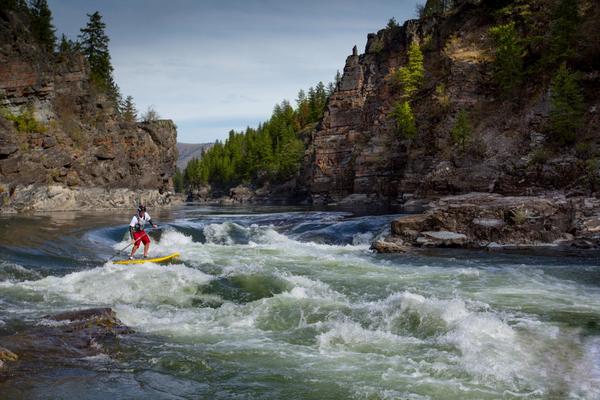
{"points": [[145, 260]]}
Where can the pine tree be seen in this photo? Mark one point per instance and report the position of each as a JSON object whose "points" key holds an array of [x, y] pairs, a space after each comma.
{"points": [[410, 77], [461, 131], [66, 46], [15, 5], [567, 106], [128, 110], [41, 24], [404, 119], [94, 45], [178, 181], [563, 30], [337, 80], [508, 66]]}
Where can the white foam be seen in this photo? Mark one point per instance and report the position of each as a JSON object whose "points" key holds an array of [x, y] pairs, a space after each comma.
{"points": [[585, 379], [114, 284], [349, 335]]}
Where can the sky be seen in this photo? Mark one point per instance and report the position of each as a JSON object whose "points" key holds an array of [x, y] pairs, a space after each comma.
{"points": [[212, 66]]}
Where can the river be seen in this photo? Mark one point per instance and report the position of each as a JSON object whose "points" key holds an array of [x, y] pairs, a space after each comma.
{"points": [[284, 303]]}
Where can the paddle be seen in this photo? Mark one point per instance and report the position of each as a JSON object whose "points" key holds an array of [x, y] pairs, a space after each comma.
{"points": [[136, 241]]}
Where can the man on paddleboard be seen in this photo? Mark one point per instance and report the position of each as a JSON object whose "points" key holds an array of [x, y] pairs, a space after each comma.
{"points": [[136, 230]]}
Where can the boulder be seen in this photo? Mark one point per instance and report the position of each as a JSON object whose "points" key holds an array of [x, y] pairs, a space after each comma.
{"points": [[385, 246], [478, 220], [62, 339]]}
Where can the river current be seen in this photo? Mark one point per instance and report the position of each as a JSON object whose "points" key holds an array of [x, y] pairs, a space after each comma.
{"points": [[272, 303]]}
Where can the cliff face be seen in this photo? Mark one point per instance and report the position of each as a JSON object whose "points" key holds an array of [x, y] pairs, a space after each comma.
{"points": [[78, 140], [356, 149]]}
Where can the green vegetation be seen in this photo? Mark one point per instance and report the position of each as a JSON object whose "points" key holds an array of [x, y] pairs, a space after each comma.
{"points": [[392, 24], [567, 106], [461, 131], [41, 24], [441, 95], [128, 110], [410, 77], [563, 32], [66, 46], [509, 51], [93, 43], [178, 181], [405, 119], [270, 153], [434, 7], [25, 121]]}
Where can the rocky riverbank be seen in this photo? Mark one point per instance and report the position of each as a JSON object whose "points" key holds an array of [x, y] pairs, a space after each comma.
{"points": [[33, 198], [487, 220], [76, 151], [285, 193], [60, 339]]}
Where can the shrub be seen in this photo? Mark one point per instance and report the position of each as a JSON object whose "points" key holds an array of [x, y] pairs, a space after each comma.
{"points": [[539, 157], [151, 115], [519, 216], [441, 95], [25, 121]]}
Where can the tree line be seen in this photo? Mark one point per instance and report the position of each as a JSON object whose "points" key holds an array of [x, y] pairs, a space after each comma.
{"points": [[272, 152]]}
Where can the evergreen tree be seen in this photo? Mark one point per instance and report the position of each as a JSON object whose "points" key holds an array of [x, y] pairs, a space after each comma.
{"points": [[404, 119], [94, 45], [337, 80], [567, 106], [178, 181], [15, 5], [461, 131], [563, 31], [508, 65], [128, 110], [41, 24], [66, 45], [410, 77]]}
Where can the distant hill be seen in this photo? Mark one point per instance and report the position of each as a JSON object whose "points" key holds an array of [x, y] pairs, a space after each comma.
{"points": [[187, 151]]}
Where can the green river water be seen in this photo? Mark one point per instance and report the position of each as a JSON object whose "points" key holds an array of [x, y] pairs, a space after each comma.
{"points": [[275, 303]]}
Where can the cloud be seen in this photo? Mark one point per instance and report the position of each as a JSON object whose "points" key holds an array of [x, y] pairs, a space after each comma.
{"points": [[226, 61]]}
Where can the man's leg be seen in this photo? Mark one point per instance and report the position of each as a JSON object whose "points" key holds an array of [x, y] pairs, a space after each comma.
{"points": [[146, 248], [134, 249]]}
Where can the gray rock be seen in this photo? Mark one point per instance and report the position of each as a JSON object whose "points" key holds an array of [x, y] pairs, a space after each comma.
{"points": [[442, 239], [384, 246]]}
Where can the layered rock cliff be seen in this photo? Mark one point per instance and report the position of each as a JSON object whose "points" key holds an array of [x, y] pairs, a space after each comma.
{"points": [[75, 139], [356, 152]]}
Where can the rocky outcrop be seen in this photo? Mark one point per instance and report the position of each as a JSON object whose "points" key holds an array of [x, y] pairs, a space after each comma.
{"points": [[357, 151], [76, 140], [33, 198], [478, 220], [61, 339]]}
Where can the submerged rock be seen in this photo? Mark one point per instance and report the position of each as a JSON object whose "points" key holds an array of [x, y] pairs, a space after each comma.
{"points": [[60, 338]]}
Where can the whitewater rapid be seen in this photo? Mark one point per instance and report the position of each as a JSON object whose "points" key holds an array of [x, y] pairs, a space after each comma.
{"points": [[262, 301]]}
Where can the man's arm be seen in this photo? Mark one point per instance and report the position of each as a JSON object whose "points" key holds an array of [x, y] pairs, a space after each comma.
{"points": [[132, 227], [150, 221]]}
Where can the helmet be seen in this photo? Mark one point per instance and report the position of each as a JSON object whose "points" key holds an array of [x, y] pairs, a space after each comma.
{"points": [[141, 208]]}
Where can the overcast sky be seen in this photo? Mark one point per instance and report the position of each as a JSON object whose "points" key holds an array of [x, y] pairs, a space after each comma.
{"points": [[212, 66]]}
